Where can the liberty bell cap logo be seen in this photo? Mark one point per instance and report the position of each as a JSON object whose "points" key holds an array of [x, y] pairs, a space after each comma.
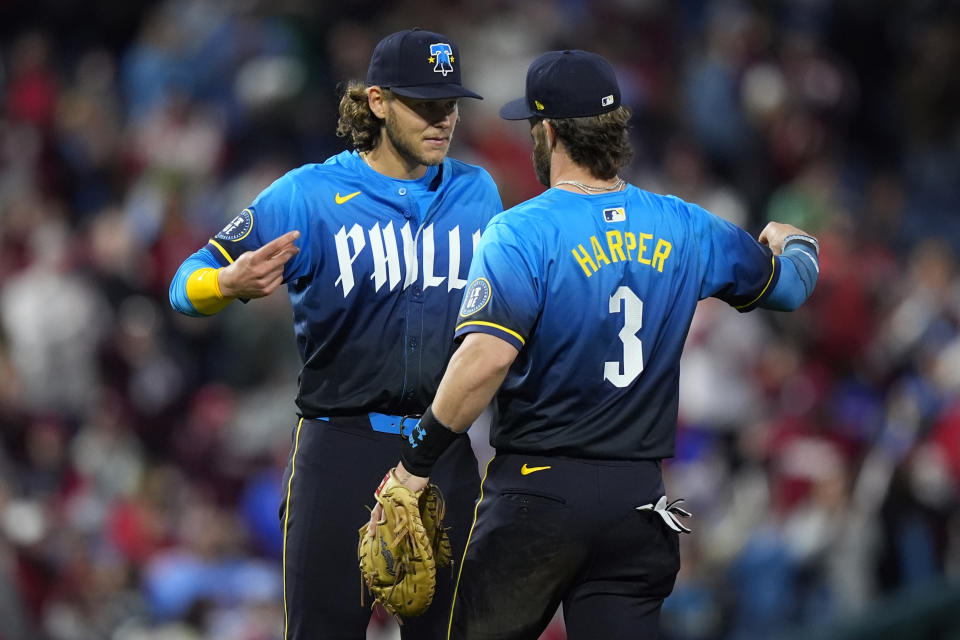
{"points": [[418, 64], [441, 55]]}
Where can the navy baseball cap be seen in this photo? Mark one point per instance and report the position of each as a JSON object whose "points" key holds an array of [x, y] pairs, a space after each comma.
{"points": [[418, 64], [566, 84]]}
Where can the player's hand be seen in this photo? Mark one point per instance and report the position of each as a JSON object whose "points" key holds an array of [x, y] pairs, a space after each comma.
{"points": [[775, 233], [256, 274], [414, 483]]}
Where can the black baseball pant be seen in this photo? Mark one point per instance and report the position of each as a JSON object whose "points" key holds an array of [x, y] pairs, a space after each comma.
{"points": [[552, 530], [333, 470]]}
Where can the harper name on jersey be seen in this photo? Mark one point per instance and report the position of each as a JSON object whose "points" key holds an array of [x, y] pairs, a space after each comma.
{"points": [[620, 247], [602, 287]]}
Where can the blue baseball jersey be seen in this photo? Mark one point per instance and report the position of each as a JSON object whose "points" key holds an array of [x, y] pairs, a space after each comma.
{"points": [[380, 274], [597, 292]]}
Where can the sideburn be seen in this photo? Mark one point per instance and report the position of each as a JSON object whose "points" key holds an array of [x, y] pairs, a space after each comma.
{"points": [[541, 156]]}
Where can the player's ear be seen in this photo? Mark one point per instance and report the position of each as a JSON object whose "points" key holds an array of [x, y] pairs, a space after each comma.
{"points": [[376, 100], [550, 133]]}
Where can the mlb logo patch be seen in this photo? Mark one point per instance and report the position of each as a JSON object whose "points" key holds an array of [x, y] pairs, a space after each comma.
{"points": [[616, 214], [606, 101]]}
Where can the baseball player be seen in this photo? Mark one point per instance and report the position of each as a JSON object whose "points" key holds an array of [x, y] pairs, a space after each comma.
{"points": [[575, 317], [374, 246]]}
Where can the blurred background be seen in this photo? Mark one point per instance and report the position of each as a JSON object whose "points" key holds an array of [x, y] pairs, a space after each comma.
{"points": [[141, 451]]}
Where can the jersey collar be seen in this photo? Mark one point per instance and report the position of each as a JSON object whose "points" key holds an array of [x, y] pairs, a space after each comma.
{"points": [[435, 176]]}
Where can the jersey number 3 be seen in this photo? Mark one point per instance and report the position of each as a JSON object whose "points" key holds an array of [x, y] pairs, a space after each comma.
{"points": [[625, 301]]}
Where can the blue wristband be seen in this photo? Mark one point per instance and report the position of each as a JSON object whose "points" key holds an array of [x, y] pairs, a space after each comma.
{"points": [[810, 241]]}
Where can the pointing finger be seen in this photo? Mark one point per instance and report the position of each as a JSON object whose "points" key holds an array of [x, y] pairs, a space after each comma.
{"points": [[278, 244], [281, 257]]}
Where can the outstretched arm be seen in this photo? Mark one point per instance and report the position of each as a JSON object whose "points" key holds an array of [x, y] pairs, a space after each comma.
{"points": [[798, 253]]}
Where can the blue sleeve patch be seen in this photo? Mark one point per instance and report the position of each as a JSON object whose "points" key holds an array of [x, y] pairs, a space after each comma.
{"points": [[238, 228], [476, 297]]}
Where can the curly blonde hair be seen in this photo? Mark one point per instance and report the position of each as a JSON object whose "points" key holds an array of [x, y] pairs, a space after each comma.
{"points": [[357, 121]]}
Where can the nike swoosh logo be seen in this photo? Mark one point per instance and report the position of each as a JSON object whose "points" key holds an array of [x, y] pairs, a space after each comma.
{"points": [[341, 199], [525, 470]]}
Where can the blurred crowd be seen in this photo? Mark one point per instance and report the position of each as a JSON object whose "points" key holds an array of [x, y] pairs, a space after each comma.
{"points": [[141, 451]]}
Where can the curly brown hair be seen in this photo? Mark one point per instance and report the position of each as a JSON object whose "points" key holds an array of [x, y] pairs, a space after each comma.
{"points": [[356, 119], [600, 143]]}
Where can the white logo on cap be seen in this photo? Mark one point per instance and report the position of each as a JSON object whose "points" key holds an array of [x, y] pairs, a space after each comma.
{"points": [[606, 101]]}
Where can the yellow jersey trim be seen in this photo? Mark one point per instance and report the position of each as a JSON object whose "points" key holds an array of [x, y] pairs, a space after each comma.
{"points": [[286, 521], [476, 509], [773, 270], [491, 324], [222, 250]]}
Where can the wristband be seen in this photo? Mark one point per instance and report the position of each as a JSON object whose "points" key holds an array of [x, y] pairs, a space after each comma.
{"points": [[426, 442], [802, 253], [803, 238], [203, 291]]}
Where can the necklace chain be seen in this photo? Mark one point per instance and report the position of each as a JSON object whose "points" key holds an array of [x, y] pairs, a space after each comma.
{"points": [[591, 189]]}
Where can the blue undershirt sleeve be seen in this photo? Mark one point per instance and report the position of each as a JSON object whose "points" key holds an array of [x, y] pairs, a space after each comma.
{"points": [[799, 270], [202, 259]]}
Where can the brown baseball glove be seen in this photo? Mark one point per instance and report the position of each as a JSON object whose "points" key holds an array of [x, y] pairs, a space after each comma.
{"points": [[399, 562]]}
